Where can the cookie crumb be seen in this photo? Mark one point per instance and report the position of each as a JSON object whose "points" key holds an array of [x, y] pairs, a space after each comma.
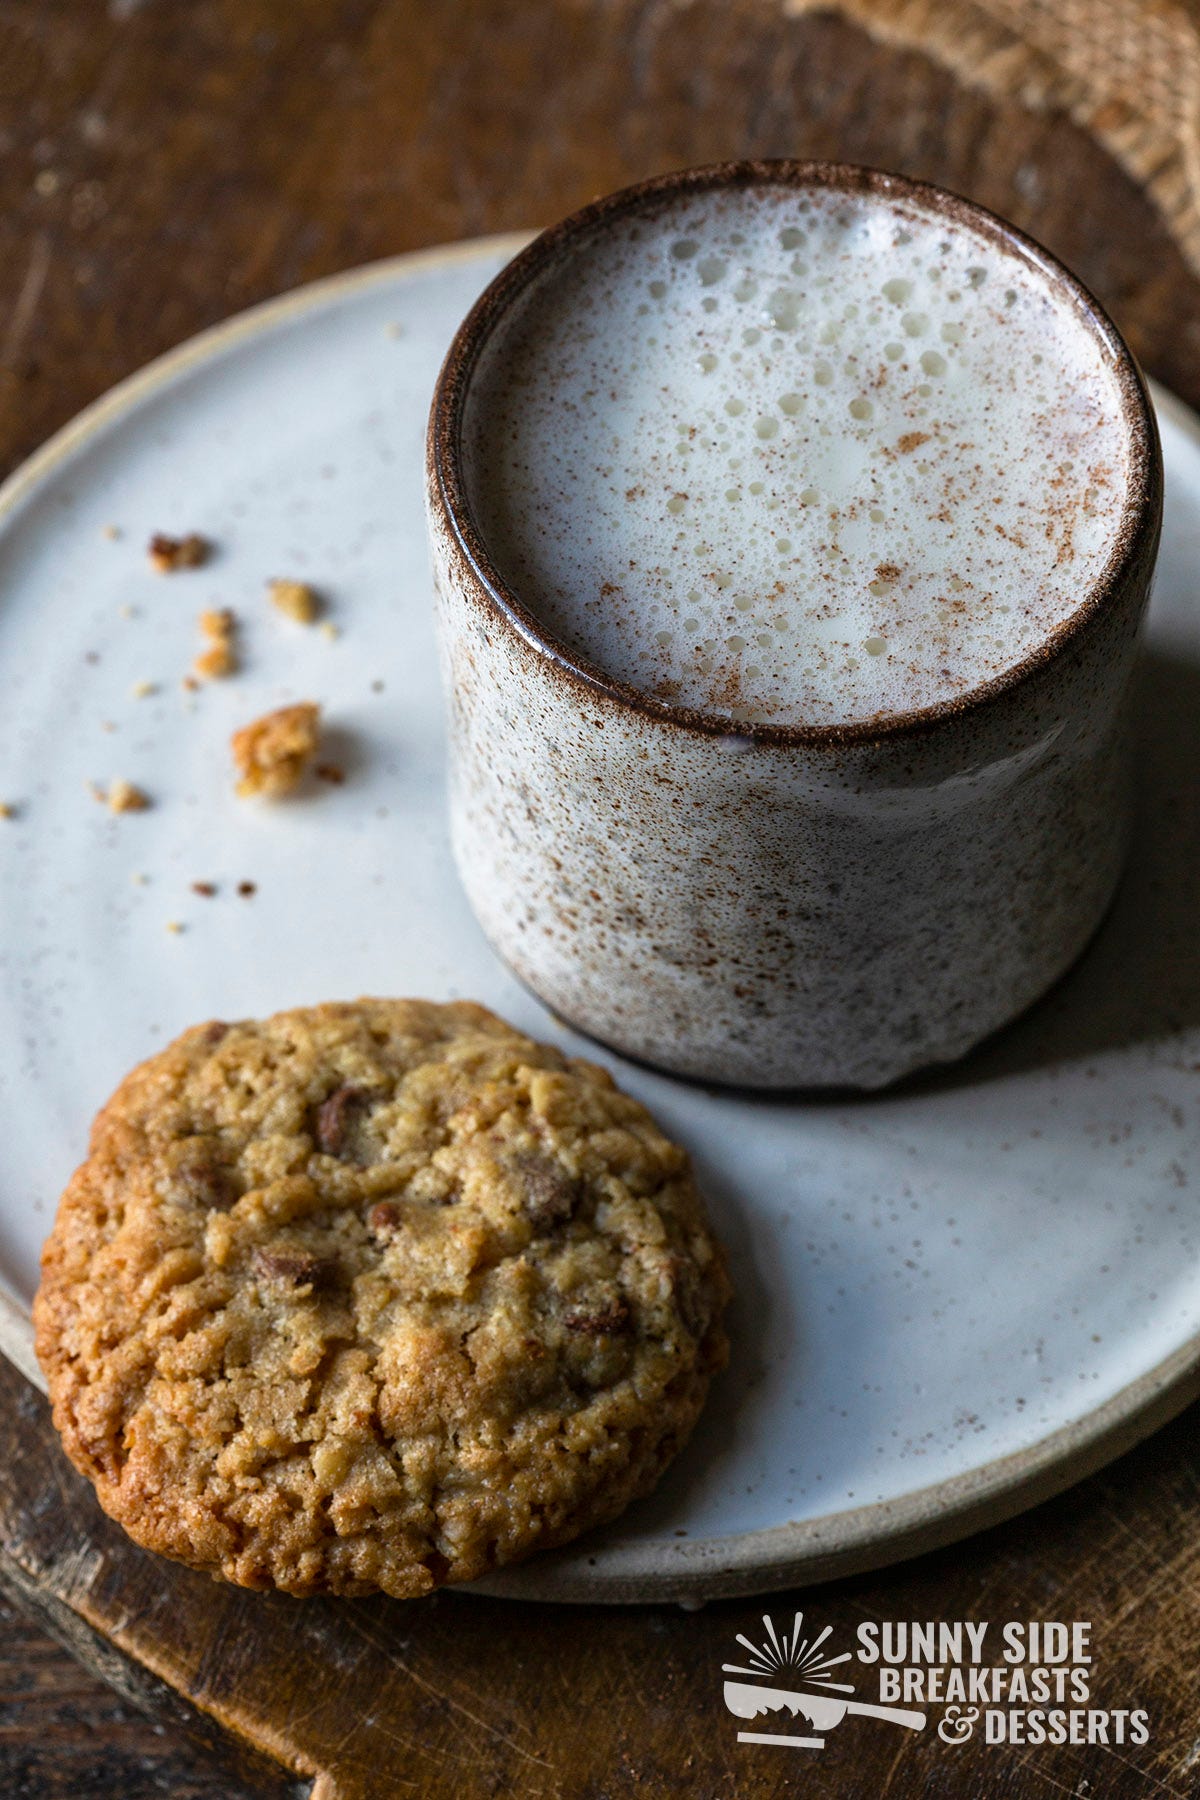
{"points": [[139, 879], [7, 810], [190, 685], [296, 599], [205, 889], [125, 796], [111, 533], [142, 690], [175, 927], [216, 664], [393, 330], [330, 630], [273, 753], [331, 773], [127, 611], [247, 889], [220, 660], [377, 687], [167, 554]]}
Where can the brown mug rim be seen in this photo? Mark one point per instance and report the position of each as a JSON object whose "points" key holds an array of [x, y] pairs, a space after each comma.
{"points": [[1136, 534]]}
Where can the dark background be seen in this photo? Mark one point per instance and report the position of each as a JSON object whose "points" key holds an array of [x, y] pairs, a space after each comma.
{"points": [[164, 164]]}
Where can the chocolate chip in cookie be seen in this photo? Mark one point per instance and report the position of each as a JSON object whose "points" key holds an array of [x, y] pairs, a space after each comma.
{"points": [[601, 1320], [288, 1270], [549, 1193], [337, 1118]]}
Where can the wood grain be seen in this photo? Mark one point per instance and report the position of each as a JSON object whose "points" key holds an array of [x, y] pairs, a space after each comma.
{"points": [[161, 165], [461, 1696], [64, 1733]]}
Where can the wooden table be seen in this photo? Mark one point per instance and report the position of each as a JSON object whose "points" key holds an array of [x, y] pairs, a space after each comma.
{"points": [[161, 166]]}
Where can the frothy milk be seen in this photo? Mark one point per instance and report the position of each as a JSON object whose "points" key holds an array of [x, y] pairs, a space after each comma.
{"points": [[800, 458]]}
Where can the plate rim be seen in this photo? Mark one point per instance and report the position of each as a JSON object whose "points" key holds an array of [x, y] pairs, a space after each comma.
{"points": [[120, 399], [657, 1569]]}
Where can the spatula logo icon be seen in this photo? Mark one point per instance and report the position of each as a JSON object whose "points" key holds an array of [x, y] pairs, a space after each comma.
{"points": [[814, 1693]]}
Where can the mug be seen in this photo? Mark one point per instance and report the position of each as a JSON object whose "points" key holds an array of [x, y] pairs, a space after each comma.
{"points": [[769, 904]]}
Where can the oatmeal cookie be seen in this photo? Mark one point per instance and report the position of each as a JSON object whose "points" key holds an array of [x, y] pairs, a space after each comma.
{"points": [[375, 1296]]}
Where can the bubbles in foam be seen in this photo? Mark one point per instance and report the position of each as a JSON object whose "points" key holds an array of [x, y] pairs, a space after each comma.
{"points": [[846, 463]]}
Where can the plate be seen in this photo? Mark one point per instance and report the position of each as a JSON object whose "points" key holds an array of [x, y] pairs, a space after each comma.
{"points": [[953, 1299]]}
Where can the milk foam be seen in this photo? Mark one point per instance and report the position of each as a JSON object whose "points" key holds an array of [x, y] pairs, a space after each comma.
{"points": [[796, 459]]}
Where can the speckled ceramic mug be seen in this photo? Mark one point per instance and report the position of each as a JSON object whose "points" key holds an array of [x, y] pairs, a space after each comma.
{"points": [[783, 905]]}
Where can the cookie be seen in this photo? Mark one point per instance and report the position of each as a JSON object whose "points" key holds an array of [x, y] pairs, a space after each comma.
{"points": [[375, 1296]]}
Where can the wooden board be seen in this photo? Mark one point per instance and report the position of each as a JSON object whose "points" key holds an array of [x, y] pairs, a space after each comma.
{"points": [[163, 166]]}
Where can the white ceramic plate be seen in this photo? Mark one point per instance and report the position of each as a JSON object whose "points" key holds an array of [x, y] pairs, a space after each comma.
{"points": [[952, 1300]]}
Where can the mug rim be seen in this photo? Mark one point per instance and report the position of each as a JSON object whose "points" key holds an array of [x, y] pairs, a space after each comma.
{"points": [[1134, 541]]}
